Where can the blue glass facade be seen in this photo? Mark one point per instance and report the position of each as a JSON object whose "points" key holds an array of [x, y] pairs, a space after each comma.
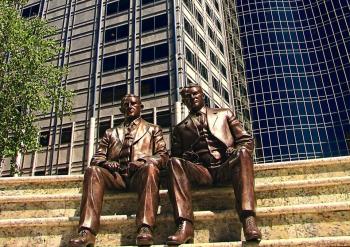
{"points": [[297, 57]]}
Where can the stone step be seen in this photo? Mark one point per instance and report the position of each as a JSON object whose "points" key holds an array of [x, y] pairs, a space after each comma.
{"points": [[220, 198], [302, 169], [298, 221], [264, 174], [295, 242]]}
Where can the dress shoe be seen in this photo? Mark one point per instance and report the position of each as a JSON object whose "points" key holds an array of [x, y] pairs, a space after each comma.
{"points": [[251, 231], [85, 238], [183, 234], [144, 236]]}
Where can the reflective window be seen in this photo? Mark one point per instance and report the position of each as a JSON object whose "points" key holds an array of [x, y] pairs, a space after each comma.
{"points": [[116, 33], [31, 11], [154, 23], [66, 135], [115, 62], [113, 94], [154, 52], [117, 7], [155, 85], [103, 126], [44, 138], [164, 119]]}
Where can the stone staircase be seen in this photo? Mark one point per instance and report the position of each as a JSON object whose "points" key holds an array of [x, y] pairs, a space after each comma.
{"points": [[300, 203]]}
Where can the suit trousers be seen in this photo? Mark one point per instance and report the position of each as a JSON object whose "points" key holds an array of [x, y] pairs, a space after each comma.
{"points": [[238, 171], [145, 181]]}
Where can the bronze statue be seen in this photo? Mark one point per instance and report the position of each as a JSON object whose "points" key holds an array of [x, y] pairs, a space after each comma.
{"points": [[129, 157], [210, 147]]}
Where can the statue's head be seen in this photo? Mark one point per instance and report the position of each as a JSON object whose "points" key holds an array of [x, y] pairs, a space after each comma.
{"points": [[193, 97], [131, 106]]}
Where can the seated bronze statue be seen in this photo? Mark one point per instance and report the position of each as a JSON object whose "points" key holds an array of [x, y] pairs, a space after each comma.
{"points": [[129, 157], [210, 147]]}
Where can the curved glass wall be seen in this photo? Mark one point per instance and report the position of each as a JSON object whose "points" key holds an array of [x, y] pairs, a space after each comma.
{"points": [[298, 70]]}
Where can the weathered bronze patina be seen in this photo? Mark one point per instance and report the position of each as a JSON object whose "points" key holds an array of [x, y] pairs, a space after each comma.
{"points": [[129, 157], [210, 147]]}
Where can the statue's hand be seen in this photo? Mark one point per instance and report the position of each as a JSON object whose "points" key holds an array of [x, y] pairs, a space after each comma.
{"points": [[112, 166]]}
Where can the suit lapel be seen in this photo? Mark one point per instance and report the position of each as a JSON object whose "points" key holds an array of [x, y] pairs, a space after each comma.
{"points": [[120, 132], [141, 130], [189, 125], [212, 117]]}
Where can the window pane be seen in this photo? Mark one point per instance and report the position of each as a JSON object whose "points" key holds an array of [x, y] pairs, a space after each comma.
{"points": [[164, 119], [148, 24], [66, 135], [26, 12], [123, 5], [119, 92], [162, 83], [112, 8], [147, 54], [147, 86], [107, 95], [161, 21], [108, 63], [121, 60], [144, 2], [110, 35], [44, 138], [103, 127], [161, 51], [123, 31], [34, 10], [148, 117]]}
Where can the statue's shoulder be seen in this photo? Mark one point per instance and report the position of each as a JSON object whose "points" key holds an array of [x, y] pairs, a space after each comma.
{"points": [[219, 110], [183, 122], [149, 125]]}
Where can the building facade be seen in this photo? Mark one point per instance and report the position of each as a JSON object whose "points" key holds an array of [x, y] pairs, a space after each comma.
{"points": [[146, 47], [297, 56]]}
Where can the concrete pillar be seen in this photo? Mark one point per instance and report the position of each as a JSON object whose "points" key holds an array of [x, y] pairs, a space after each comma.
{"points": [[91, 139]]}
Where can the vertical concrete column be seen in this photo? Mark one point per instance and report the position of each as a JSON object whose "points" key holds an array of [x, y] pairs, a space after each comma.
{"points": [[70, 158], [34, 162], [155, 115], [91, 139], [178, 112]]}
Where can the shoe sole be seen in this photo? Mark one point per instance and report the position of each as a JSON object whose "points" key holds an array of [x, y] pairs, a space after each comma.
{"points": [[144, 243], [188, 241]]}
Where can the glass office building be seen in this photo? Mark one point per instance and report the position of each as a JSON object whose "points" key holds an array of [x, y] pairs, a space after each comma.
{"points": [[297, 57]]}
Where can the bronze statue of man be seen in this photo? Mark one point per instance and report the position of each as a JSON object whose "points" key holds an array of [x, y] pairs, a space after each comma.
{"points": [[210, 147], [129, 157]]}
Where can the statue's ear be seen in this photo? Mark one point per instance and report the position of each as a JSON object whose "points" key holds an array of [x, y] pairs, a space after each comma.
{"points": [[142, 106]]}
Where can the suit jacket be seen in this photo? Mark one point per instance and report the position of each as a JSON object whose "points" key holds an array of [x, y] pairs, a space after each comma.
{"points": [[222, 123], [148, 144]]}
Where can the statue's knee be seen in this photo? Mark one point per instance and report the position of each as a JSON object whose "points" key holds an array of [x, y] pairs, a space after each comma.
{"points": [[244, 153], [175, 161], [151, 168]]}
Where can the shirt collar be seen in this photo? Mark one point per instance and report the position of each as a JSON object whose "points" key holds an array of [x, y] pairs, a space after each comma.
{"points": [[203, 110], [135, 122]]}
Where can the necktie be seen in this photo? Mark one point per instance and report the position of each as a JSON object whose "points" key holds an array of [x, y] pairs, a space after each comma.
{"points": [[124, 156]]}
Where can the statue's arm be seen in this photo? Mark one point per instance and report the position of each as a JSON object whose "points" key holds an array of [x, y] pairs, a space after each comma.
{"points": [[242, 139], [100, 156], [176, 144], [160, 153]]}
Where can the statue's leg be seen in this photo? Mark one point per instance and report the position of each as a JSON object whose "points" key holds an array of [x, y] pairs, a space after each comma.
{"points": [[181, 174], [145, 181], [242, 178], [96, 180]]}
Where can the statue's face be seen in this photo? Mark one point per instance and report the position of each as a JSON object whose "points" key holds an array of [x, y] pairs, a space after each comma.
{"points": [[193, 98], [131, 107]]}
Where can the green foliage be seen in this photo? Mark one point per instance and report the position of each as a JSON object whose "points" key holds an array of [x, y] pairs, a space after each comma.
{"points": [[30, 84]]}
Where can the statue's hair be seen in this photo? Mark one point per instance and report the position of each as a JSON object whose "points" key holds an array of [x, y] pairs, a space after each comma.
{"points": [[129, 96], [190, 85]]}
